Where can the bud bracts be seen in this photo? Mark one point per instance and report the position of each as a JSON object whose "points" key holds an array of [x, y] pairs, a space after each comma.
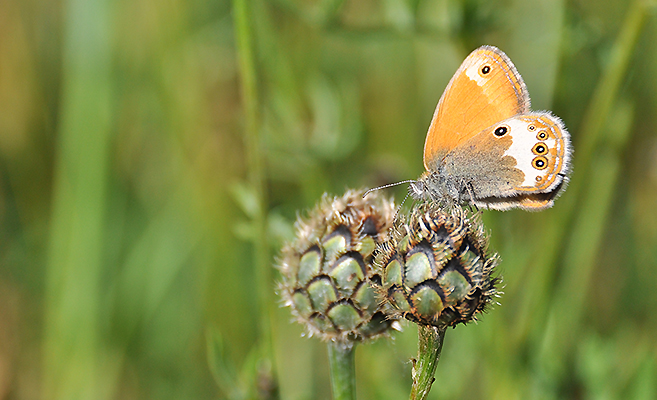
{"points": [[327, 270], [436, 269]]}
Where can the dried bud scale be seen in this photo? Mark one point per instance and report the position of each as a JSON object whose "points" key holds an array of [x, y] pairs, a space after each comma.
{"points": [[327, 270], [436, 268]]}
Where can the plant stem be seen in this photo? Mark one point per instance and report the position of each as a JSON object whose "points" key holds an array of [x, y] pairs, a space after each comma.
{"points": [[430, 345], [73, 338], [245, 45], [343, 370]]}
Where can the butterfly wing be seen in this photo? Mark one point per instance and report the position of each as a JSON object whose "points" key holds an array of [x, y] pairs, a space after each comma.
{"points": [[523, 162], [485, 89]]}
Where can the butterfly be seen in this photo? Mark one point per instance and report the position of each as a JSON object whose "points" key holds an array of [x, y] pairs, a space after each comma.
{"points": [[486, 147]]}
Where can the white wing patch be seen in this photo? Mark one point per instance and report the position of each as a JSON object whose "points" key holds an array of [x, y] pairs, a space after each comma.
{"points": [[521, 150], [472, 72]]}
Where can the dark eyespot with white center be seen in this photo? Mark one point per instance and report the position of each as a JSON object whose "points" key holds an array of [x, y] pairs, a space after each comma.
{"points": [[501, 131], [540, 149], [540, 162]]}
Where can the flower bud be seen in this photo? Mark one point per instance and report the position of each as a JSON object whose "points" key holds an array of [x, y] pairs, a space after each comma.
{"points": [[436, 268], [328, 279]]}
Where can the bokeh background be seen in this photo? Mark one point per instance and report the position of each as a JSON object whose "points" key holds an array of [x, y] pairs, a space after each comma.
{"points": [[154, 155]]}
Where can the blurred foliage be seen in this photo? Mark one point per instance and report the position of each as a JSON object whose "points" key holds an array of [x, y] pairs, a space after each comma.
{"points": [[154, 154]]}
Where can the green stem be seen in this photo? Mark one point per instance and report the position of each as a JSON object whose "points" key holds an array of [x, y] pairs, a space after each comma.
{"points": [[430, 345], [73, 338], [248, 77], [343, 371]]}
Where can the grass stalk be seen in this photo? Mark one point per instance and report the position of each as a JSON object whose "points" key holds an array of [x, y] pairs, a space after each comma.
{"points": [[605, 132], [248, 78], [586, 141], [72, 353]]}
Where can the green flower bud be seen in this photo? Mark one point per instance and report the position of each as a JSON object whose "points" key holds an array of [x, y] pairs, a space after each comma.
{"points": [[328, 279], [436, 268]]}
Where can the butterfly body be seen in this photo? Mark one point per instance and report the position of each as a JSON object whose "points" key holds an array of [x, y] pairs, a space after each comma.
{"points": [[486, 147]]}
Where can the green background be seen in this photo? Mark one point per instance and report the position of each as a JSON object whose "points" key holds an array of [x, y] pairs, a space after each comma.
{"points": [[154, 154]]}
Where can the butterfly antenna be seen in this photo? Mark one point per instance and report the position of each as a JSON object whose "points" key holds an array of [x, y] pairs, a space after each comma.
{"points": [[387, 186]]}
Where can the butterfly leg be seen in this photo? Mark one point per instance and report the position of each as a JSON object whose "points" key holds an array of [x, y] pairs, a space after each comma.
{"points": [[473, 207], [470, 189], [400, 206]]}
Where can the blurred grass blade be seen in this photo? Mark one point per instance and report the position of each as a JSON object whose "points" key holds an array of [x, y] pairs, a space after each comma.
{"points": [[584, 241], [72, 347], [153, 263], [246, 198], [222, 369], [606, 92], [586, 141], [244, 36], [644, 387], [590, 221], [606, 130], [537, 57]]}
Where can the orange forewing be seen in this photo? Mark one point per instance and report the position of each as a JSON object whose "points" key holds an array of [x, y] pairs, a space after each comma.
{"points": [[470, 105]]}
